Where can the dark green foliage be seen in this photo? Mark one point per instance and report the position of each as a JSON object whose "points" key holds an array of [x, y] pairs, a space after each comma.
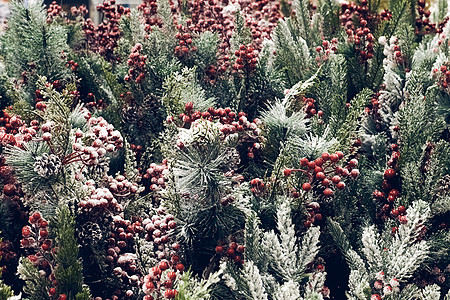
{"points": [[69, 269]]}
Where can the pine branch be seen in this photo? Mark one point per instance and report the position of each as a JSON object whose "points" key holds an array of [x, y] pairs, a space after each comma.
{"points": [[69, 269]]}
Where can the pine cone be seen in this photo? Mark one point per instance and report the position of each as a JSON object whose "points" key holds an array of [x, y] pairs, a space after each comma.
{"points": [[47, 165]]}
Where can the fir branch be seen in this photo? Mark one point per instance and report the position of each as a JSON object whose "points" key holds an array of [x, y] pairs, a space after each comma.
{"points": [[36, 286], [190, 288], [405, 253], [350, 124], [287, 259], [288, 290], [182, 87], [69, 269], [371, 249]]}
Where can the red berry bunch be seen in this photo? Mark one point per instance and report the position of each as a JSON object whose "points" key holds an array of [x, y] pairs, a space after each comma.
{"points": [[149, 10], [310, 108], [54, 11], [103, 38], [261, 17], [314, 215], [390, 176], [361, 36], [324, 171], [81, 11], [136, 61], [161, 277], [185, 42], [8, 257], [120, 253], [258, 187], [442, 76], [92, 102], [232, 250], [72, 65], [36, 235], [249, 132], [102, 137], [326, 49], [154, 179], [100, 199], [121, 187], [14, 131], [246, 59]]}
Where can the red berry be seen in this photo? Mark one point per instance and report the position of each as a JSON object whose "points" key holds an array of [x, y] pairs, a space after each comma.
{"points": [[354, 173], [219, 249], [326, 182], [189, 106], [311, 165], [340, 154], [401, 209], [340, 185], [62, 297], [172, 275], [319, 161], [403, 219], [325, 156], [163, 265], [240, 249], [180, 267], [334, 157], [389, 174], [336, 179], [52, 291], [353, 163], [26, 231], [395, 212], [230, 252], [320, 176], [328, 192], [306, 186], [304, 162], [287, 172]]}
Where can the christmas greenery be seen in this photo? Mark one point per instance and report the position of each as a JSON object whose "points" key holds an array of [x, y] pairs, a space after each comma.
{"points": [[226, 150]]}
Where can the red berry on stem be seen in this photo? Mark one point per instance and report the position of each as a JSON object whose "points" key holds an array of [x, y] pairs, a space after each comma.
{"points": [[306, 186], [328, 192], [287, 172], [389, 174]]}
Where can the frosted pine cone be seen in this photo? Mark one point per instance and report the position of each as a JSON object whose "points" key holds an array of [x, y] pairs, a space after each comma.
{"points": [[47, 165]]}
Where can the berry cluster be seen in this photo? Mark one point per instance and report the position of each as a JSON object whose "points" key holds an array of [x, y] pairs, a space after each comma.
{"points": [[310, 108], [392, 50], [72, 65], [261, 17], [104, 139], [103, 38], [35, 238], [326, 49], [91, 102], [14, 131], [232, 250], [258, 187], [185, 42], [384, 287], [121, 187], [120, 255], [54, 11], [81, 11], [314, 215], [136, 61], [149, 10], [230, 123], [390, 177], [443, 77], [246, 59], [154, 179], [423, 23], [324, 170], [160, 279], [361, 36], [40, 104], [100, 199]]}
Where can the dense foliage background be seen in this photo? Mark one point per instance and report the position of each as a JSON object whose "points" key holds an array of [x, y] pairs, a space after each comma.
{"points": [[232, 149]]}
